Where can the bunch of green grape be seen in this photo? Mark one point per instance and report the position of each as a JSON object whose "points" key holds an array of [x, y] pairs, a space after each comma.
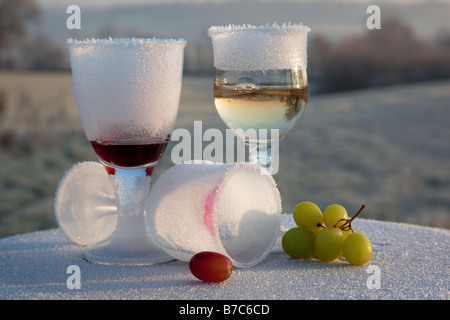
{"points": [[327, 236]]}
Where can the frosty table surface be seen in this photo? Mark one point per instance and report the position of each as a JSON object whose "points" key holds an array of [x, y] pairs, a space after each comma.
{"points": [[410, 262]]}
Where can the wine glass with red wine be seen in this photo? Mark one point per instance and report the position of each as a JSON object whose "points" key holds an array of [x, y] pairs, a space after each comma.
{"points": [[128, 92]]}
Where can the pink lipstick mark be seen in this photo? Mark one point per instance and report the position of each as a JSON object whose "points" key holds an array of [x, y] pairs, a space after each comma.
{"points": [[209, 203]]}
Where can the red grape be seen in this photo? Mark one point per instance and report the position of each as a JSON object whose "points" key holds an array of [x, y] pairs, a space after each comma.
{"points": [[211, 266]]}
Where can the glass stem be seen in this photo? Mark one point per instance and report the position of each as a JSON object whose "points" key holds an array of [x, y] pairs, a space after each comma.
{"points": [[131, 189], [265, 154]]}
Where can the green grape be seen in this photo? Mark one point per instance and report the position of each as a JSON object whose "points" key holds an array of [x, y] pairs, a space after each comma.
{"points": [[328, 244], [298, 243], [346, 233], [333, 214], [307, 215], [357, 249]]}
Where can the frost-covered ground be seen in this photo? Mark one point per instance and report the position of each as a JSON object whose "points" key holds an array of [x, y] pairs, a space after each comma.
{"points": [[408, 263], [386, 147]]}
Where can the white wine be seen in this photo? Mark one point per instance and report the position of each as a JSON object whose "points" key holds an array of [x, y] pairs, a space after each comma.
{"points": [[276, 103]]}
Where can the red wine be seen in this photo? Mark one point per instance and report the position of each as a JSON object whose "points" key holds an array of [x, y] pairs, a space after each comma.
{"points": [[134, 154]]}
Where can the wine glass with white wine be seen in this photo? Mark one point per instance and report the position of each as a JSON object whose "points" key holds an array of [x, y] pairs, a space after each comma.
{"points": [[260, 84]]}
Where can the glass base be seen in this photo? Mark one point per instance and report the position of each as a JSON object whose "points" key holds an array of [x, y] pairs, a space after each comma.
{"points": [[113, 252], [130, 243]]}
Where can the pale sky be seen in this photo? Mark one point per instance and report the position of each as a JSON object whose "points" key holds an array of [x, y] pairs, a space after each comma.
{"points": [[108, 3]]}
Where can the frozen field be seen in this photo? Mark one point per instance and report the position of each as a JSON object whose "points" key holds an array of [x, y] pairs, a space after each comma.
{"points": [[386, 147]]}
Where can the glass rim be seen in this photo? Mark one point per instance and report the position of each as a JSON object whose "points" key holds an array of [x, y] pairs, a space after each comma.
{"points": [[285, 27], [121, 42]]}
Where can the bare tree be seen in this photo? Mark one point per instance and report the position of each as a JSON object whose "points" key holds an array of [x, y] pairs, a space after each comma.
{"points": [[14, 15], [45, 54], [393, 54]]}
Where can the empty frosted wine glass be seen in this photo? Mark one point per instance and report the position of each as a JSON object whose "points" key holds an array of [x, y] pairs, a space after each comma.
{"points": [[85, 205], [127, 92], [228, 208], [260, 83]]}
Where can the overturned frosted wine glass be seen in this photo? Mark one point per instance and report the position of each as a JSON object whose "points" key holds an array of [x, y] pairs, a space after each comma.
{"points": [[231, 209]]}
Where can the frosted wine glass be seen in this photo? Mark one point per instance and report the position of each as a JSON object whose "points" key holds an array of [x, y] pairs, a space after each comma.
{"points": [[127, 92], [260, 83], [228, 208]]}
